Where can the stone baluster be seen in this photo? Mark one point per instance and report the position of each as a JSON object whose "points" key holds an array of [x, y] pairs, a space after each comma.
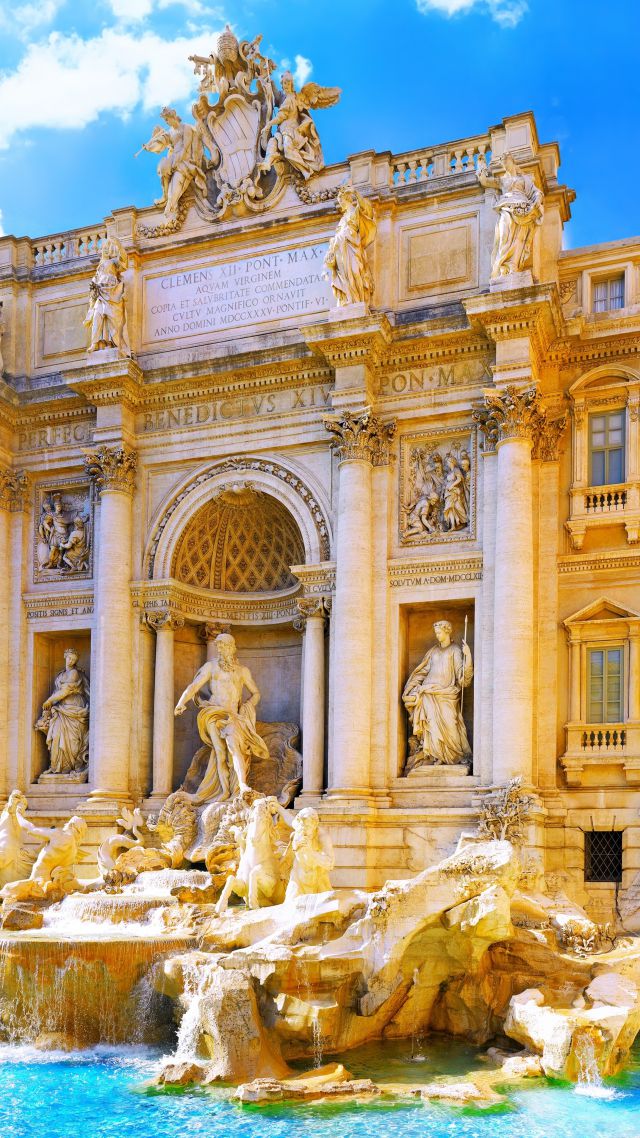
{"points": [[13, 488], [311, 619], [208, 633], [361, 440], [165, 625], [511, 419], [112, 469]]}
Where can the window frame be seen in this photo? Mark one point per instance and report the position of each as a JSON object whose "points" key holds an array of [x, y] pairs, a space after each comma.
{"points": [[605, 649], [608, 280], [607, 449]]}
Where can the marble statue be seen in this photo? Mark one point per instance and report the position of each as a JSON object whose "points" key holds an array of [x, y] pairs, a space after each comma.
{"points": [[226, 723], [296, 138], [185, 162], [520, 208], [106, 317], [15, 861], [438, 498], [65, 721], [259, 876], [61, 543], [53, 870], [312, 856], [346, 262], [433, 698]]}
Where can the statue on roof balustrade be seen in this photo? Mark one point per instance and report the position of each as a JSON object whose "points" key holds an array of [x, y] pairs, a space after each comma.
{"points": [[520, 209]]}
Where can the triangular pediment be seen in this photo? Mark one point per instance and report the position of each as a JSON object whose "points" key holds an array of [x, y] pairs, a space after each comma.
{"points": [[602, 609]]}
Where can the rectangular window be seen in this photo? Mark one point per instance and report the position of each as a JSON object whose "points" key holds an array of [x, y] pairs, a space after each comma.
{"points": [[605, 691], [606, 448], [603, 855], [608, 294]]}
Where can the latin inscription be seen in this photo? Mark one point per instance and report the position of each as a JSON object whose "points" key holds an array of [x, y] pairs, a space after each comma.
{"points": [[72, 610], [270, 286], [433, 378], [61, 434], [236, 407]]}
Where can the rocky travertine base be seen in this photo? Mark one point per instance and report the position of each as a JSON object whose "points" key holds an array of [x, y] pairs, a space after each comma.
{"points": [[445, 951]]}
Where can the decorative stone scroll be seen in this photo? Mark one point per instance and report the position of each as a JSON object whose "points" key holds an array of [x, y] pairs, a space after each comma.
{"points": [[437, 495], [170, 621], [361, 436], [13, 489], [112, 468], [547, 444], [512, 413], [208, 631], [310, 607], [63, 527]]}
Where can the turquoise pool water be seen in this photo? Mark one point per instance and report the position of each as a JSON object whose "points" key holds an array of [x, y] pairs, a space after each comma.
{"points": [[101, 1095]]}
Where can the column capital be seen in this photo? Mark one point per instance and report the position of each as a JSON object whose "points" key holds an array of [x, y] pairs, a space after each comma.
{"points": [[509, 414], [361, 436], [164, 619], [112, 468], [546, 445], [310, 608], [14, 485], [211, 629]]}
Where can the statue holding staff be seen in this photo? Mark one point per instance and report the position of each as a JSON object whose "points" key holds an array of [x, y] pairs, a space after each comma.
{"points": [[433, 697]]}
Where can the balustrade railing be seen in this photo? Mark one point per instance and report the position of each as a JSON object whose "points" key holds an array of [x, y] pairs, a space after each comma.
{"points": [[612, 738], [605, 499], [68, 246], [469, 155]]}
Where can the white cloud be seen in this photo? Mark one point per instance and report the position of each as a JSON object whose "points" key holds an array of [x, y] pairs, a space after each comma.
{"points": [[24, 19], [134, 11], [507, 13], [65, 82], [303, 70]]}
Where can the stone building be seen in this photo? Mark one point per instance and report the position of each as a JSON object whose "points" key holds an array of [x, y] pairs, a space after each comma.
{"points": [[326, 481]]}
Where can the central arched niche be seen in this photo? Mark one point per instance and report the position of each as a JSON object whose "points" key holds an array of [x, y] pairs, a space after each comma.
{"points": [[241, 541]]}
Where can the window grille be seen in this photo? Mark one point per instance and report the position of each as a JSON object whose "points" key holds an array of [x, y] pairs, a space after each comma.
{"points": [[603, 855]]}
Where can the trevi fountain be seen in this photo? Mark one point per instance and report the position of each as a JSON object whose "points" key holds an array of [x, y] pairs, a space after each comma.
{"points": [[320, 662]]}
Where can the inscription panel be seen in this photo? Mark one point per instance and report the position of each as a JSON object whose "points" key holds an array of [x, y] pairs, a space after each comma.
{"points": [[209, 298]]}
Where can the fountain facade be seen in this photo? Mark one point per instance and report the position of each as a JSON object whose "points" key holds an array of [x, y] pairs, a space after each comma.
{"points": [[347, 740]]}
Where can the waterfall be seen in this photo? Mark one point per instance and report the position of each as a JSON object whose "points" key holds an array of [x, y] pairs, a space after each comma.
{"points": [[195, 980], [589, 1080], [80, 993]]}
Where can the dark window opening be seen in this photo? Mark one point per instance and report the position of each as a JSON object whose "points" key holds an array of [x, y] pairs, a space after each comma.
{"points": [[603, 855]]}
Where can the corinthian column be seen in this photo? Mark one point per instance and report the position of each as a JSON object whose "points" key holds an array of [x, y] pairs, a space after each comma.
{"points": [[112, 469], [312, 613], [510, 419], [165, 625], [12, 490], [361, 440]]}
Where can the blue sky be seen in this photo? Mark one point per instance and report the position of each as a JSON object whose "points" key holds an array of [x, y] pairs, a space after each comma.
{"points": [[81, 83]]}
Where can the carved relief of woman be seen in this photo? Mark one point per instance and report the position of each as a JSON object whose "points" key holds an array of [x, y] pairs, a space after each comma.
{"points": [[455, 497], [65, 718], [346, 259], [520, 208]]}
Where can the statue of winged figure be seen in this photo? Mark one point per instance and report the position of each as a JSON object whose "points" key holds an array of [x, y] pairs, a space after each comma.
{"points": [[296, 137], [185, 162]]}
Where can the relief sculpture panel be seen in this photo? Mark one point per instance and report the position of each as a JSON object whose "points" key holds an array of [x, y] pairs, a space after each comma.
{"points": [[63, 532], [437, 493]]}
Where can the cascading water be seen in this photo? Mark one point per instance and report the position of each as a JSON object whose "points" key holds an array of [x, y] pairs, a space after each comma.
{"points": [[589, 1080], [195, 979]]}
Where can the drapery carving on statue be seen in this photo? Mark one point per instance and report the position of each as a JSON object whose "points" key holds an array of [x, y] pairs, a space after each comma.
{"points": [[53, 873], [346, 265], [65, 723], [106, 316], [63, 541], [520, 209], [234, 749], [433, 698]]}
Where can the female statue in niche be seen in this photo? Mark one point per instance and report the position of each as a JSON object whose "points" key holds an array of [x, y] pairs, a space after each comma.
{"points": [[433, 698], [520, 208], [65, 720]]}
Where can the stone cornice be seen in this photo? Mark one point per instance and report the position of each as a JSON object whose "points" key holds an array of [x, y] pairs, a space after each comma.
{"points": [[598, 562], [58, 603], [343, 342], [115, 380], [316, 580], [202, 606], [533, 312]]}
